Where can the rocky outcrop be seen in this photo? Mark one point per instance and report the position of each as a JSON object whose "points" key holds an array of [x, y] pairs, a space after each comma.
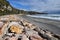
{"points": [[15, 28]]}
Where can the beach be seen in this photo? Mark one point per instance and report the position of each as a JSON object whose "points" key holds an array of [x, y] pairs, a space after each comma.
{"points": [[22, 27], [45, 24]]}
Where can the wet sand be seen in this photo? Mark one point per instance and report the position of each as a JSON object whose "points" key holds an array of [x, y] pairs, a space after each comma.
{"points": [[45, 24]]}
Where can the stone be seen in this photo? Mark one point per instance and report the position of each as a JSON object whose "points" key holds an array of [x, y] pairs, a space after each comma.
{"points": [[15, 27], [24, 37], [49, 34], [13, 38], [42, 32], [6, 38], [1, 24], [4, 19], [9, 18], [37, 29], [22, 29], [29, 25], [25, 23], [31, 32], [2, 27], [53, 38], [9, 34], [36, 37]]}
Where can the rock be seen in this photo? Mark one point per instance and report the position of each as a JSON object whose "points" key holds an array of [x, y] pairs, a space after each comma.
{"points": [[31, 32], [29, 25], [36, 37], [37, 29], [25, 23], [42, 32], [56, 35], [49, 34], [13, 38], [9, 34], [26, 29], [1, 24], [15, 27], [6, 38], [2, 30], [9, 18], [4, 19], [24, 37], [53, 38]]}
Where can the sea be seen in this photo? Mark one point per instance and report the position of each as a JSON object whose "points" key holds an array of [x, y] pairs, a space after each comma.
{"points": [[46, 16]]}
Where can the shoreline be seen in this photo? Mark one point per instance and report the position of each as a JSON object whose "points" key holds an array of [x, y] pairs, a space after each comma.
{"points": [[45, 24], [16, 27], [45, 17]]}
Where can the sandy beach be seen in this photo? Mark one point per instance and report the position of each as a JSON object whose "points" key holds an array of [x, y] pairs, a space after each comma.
{"points": [[45, 24]]}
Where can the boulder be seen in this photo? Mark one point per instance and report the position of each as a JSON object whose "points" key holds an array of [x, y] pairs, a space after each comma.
{"points": [[15, 27]]}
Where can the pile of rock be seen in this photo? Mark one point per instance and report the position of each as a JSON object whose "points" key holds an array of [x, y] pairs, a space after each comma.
{"points": [[12, 28]]}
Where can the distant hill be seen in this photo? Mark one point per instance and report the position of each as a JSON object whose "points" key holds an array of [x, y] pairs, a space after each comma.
{"points": [[33, 12], [54, 12], [6, 8]]}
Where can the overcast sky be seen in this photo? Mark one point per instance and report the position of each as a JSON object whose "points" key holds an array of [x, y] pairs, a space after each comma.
{"points": [[36, 5]]}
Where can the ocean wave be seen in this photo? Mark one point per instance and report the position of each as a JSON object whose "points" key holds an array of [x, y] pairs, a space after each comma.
{"points": [[49, 16]]}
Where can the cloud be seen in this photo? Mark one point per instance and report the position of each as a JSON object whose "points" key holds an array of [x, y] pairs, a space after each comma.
{"points": [[39, 5]]}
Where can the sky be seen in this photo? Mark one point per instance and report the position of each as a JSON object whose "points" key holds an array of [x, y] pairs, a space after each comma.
{"points": [[36, 5]]}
